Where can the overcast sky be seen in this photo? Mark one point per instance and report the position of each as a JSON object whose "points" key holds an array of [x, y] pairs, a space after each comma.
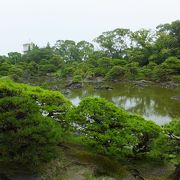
{"points": [[41, 21]]}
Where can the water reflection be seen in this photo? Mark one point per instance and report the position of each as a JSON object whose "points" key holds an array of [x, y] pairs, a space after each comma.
{"points": [[152, 102], [76, 100]]}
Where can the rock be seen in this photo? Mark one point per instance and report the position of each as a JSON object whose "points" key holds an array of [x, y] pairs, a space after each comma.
{"points": [[74, 85], [67, 91], [99, 79], [55, 87], [176, 98], [103, 87], [169, 84], [141, 83], [136, 174]]}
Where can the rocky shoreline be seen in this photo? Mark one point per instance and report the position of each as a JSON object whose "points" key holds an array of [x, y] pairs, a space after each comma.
{"points": [[140, 83]]}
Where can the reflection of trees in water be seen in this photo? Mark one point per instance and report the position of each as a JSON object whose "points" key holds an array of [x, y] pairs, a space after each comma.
{"points": [[150, 100], [136, 105], [147, 101]]}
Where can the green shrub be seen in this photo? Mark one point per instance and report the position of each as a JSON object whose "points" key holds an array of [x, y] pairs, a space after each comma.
{"points": [[112, 131], [47, 68], [132, 70], [116, 73], [166, 146], [176, 78], [77, 79], [26, 136], [53, 103], [4, 68], [119, 62]]}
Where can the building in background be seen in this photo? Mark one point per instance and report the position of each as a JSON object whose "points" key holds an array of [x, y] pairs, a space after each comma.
{"points": [[27, 47]]}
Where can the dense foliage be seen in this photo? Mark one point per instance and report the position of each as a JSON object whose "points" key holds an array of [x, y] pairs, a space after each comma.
{"points": [[113, 131], [25, 135], [51, 103], [33, 122], [121, 54], [167, 146], [29, 132]]}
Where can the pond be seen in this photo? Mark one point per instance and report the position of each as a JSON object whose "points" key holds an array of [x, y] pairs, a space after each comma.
{"points": [[153, 102]]}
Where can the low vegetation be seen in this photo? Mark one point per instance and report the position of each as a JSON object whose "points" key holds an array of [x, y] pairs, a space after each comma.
{"points": [[37, 125]]}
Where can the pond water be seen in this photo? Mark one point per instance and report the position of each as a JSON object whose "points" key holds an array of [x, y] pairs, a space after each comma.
{"points": [[152, 102]]}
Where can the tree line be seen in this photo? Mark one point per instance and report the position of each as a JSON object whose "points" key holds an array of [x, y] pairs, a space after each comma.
{"points": [[120, 54]]}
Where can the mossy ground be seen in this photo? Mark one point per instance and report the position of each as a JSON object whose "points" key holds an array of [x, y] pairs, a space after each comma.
{"points": [[77, 163]]}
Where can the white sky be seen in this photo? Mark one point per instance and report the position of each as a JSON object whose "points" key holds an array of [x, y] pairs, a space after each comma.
{"points": [[41, 21]]}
